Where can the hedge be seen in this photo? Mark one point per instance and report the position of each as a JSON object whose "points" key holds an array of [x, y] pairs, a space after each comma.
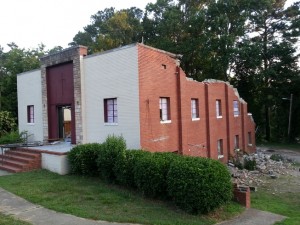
{"points": [[199, 185], [194, 184], [113, 149], [124, 167], [150, 174], [82, 158]]}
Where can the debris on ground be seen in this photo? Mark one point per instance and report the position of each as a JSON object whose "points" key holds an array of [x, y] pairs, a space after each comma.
{"points": [[264, 166]]}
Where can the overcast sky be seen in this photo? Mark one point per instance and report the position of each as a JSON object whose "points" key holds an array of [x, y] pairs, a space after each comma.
{"points": [[51, 22]]}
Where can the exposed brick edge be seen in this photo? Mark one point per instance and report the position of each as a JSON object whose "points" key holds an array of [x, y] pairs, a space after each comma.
{"points": [[242, 195]]}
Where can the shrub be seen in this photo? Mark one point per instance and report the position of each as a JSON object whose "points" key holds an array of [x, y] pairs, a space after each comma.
{"points": [[83, 158], [113, 150], [124, 167], [199, 185], [150, 174], [7, 123], [249, 164], [277, 157], [12, 137]]}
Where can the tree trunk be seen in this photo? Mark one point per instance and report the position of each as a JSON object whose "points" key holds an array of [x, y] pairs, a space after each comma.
{"points": [[267, 117]]}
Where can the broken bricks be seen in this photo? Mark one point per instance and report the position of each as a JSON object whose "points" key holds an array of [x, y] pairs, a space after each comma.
{"points": [[264, 167]]}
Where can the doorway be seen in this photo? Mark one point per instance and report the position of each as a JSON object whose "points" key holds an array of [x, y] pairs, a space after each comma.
{"points": [[64, 122], [60, 96]]}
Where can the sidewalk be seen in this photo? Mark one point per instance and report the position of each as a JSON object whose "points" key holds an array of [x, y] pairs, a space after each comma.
{"points": [[254, 217]]}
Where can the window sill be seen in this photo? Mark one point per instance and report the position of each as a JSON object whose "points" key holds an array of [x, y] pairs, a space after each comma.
{"points": [[220, 156], [30, 124], [219, 117], [236, 115], [111, 124], [250, 145], [195, 119], [165, 121]]}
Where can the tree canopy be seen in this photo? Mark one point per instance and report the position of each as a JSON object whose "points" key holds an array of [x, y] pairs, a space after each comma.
{"points": [[251, 44]]}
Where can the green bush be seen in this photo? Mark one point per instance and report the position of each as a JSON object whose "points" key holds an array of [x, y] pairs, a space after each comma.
{"points": [[150, 174], [249, 164], [7, 123], [199, 185], [277, 157], [12, 137], [113, 150], [124, 167], [83, 158]]}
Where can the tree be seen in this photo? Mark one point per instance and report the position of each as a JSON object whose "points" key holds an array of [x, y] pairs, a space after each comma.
{"points": [[13, 62], [267, 62], [205, 32], [110, 29]]}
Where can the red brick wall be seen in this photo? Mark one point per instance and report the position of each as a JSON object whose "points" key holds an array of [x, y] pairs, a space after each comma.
{"points": [[157, 81], [159, 76]]}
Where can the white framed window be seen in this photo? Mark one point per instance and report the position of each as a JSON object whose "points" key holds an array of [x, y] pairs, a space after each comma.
{"points": [[195, 108], [218, 108], [249, 139], [111, 111], [236, 142], [236, 108], [30, 114], [220, 148], [164, 109]]}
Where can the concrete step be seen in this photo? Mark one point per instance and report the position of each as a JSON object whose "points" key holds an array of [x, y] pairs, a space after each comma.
{"points": [[11, 169], [19, 161], [15, 158], [23, 154], [14, 163]]}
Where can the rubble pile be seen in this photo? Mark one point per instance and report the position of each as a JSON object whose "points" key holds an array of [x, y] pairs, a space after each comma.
{"points": [[265, 167]]}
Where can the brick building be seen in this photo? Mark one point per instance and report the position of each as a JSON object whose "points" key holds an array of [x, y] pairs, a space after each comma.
{"points": [[135, 91]]}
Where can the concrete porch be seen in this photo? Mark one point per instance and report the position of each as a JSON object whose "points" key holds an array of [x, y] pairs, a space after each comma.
{"points": [[53, 157]]}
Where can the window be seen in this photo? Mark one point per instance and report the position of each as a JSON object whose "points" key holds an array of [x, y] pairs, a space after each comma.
{"points": [[218, 108], [110, 110], [30, 114], [164, 109], [195, 109], [220, 148], [236, 110], [249, 139], [236, 142]]}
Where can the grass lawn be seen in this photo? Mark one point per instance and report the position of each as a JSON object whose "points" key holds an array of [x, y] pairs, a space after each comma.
{"points": [[287, 204], [93, 199], [288, 146], [8, 220]]}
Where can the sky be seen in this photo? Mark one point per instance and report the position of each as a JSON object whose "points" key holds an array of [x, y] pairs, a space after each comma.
{"points": [[29, 23]]}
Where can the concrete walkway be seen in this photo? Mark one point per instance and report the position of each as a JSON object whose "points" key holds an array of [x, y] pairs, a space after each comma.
{"points": [[254, 217], [17, 207]]}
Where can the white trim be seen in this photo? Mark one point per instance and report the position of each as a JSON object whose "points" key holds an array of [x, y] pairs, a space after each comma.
{"points": [[220, 156], [236, 115], [219, 117], [165, 121], [30, 124], [195, 119], [111, 124]]}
